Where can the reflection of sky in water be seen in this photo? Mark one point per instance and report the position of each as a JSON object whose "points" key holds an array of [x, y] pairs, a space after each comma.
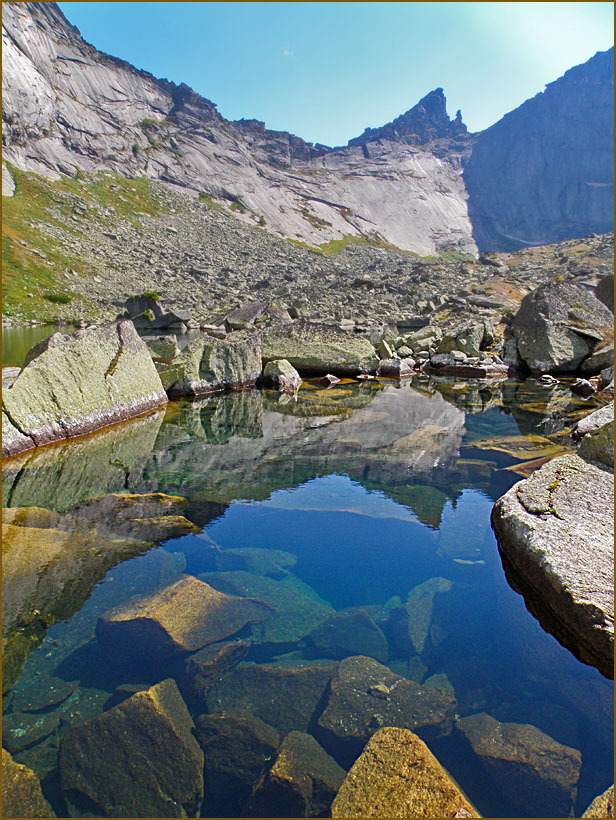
{"points": [[336, 493]]}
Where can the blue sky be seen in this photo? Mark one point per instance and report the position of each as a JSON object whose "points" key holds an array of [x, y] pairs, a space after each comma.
{"points": [[325, 71]]}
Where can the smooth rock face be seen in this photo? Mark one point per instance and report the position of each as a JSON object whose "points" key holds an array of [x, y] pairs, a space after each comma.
{"points": [[545, 170], [604, 415], [71, 385], [302, 782], [602, 806], [605, 291], [156, 768], [558, 325], [526, 764], [397, 776], [182, 617], [208, 365], [285, 695], [556, 536], [237, 746], [365, 696], [319, 349], [21, 791]]}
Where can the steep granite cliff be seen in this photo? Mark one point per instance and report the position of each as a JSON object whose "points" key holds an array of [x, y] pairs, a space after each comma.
{"points": [[545, 172]]}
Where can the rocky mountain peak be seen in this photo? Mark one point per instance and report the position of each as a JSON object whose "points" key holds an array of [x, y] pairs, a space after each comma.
{"points": [[425, 122]]}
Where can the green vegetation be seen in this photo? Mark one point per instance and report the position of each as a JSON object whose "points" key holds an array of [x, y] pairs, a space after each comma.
{"points": [[151, 294], [238, 206], [455, 256], [58, 298], [211, 203], [35, 263], [146, 314]]}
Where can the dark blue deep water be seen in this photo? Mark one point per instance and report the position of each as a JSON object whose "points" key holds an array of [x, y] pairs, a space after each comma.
{"points": [[369, 491]]}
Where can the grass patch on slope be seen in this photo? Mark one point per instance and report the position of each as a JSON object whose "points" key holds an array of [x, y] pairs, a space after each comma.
{"points": [[35, 283]]}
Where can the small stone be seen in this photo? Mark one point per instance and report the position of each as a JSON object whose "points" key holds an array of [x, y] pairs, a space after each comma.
{"points": [[328, 380], [582, 387], [397, 776], [282, 375]]}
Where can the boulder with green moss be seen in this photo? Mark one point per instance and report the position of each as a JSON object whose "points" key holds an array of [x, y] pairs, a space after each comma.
{"points": [[72, 385]]}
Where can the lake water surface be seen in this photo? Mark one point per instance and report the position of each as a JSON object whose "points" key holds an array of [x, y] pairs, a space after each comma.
{"points": [[370, 491]]}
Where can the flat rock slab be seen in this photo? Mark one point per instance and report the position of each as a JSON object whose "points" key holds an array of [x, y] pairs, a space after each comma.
{"points": [[318, 349], [526, 764], [398, 776], [138, 759], [72, 385], [237, 747], [182, 617], [21, 791], [302, 782], [350, 632], [285, 695], [365, 695], [555, 531], [20, 730]]}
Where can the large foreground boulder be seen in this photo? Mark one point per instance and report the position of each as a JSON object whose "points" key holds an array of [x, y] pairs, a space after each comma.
{"points": [[314, 348], [209, 365], [555, 531], [398, 776], [182, 617], [602, 806], [558, 325], [138, 759], [21, 791], [528, 766], [72, 385]]}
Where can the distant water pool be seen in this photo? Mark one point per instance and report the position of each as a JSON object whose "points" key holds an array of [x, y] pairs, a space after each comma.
{"points": [[374, 497]]}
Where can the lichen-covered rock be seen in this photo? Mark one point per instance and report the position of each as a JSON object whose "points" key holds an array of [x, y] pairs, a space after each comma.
{"points": [[319, 349], [558, 325], [468, 339], [162, 348], [208, 365], [527, 765], [285, 695], [397, 776], [602, 806], [282, 375], [182, 617], [237, 746], [593, 421], [555, 533], [21, 791], [72, 385], [365, 695], [395, 368], [598, 445], [138, 759], [302, 782], [350, 632], [599, 360]]}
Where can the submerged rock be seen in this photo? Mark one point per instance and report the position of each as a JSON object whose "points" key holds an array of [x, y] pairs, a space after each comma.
{"points": [[410, 624], [528, 766], [302, 782], [297, 608], [208, 365], [236, 746], [397, 776], [182, 617], [282, 375], [350, 632], [319, 349], [602, 806], [203, 670], [285, 695], [273, 563], [365, 695], [21, 791], [138, 759], [72, 385], [20, 730], [558, 325], [555, 534]]}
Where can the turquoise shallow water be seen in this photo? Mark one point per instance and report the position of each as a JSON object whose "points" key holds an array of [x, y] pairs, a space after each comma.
{"points": [[369, 491]]}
